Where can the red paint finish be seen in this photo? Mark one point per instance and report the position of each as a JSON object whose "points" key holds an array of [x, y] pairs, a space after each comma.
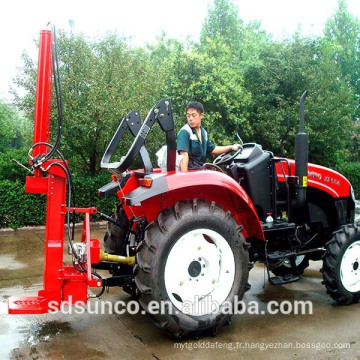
{"points": [[43, 94], [60, 282], [321, 178], [200, 184]]}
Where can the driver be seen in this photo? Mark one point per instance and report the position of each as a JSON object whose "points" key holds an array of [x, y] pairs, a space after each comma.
{"points": [[193, 142]]}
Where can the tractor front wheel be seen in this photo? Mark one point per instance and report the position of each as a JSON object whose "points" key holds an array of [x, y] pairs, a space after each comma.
{"points": [[341, 267], [193, 263], [284, 267]]}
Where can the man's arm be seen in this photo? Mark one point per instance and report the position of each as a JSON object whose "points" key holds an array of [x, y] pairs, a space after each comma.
{"points": [[218, 150], [184, 162]]}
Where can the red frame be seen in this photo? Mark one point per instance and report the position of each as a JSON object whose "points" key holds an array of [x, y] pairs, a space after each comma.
{"points": [[60, 282]]}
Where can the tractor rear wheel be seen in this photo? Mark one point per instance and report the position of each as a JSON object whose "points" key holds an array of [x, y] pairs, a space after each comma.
{"points": [[194, 261], [341, 267], [115, 237], [115, 242]]}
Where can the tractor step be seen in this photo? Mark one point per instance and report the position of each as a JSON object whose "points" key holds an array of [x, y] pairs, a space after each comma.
{"points": [[283, 279], [278, 255], [28, 305]]}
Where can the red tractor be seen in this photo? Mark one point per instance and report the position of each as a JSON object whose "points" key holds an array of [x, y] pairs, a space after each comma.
{"points": [[189, 239]]}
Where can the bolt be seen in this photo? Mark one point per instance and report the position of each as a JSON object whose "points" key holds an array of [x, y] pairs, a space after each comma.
{"points": [[202, 274], [199, 258], [181, 283], [199, 247], [213, 281], [203, 265]]}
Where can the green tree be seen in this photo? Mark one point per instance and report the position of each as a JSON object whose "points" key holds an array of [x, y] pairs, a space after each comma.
{"points": [[13, 129], [342, 40], [276, 81], [15, 134], [223, 22], [330, 112], [204, 74], [101, 80], [342, 44], [242, 76], [208, 72]]}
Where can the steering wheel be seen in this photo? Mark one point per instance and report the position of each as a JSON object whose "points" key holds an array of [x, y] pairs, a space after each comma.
{"points": [[226, 158]]}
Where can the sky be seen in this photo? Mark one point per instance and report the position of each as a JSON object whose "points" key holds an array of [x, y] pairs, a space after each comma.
{"points": [[142, 20]]}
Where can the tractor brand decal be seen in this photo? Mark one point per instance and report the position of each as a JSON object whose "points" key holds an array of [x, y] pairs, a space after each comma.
{"points": [[314, 175], [332, 180], [144, 131], [328, 179]]}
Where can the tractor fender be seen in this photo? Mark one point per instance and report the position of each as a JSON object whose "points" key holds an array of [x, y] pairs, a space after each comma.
{"points": [[169, 188]]}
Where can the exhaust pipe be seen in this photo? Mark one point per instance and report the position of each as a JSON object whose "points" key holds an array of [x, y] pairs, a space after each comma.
{"points": [[301, 159]]}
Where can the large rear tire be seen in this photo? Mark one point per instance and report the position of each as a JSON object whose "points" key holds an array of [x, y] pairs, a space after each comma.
{"points": [[341, 266], [115, 237], [116, 242], [194, 259]]}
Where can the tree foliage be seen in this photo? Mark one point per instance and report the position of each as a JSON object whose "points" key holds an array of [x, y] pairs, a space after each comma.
{"points": [[342, 39], [276, 82], [207, 78], [14, 129], [101, 81], [223, 22], [247, 82]]}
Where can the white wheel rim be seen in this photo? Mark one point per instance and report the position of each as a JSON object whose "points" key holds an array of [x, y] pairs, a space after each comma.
{"points": [[350, 268], [199, 272], [298, 260]]}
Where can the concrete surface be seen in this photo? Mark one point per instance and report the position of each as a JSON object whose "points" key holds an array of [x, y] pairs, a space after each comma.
{"points": [[110, 336]]}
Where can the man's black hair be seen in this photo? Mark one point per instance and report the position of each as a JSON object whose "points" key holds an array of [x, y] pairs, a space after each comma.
{"points": [[195, 105]]}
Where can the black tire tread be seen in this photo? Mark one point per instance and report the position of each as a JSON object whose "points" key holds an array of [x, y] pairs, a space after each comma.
{"points": [[114, 239], [146, 258], [331, 263]]}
